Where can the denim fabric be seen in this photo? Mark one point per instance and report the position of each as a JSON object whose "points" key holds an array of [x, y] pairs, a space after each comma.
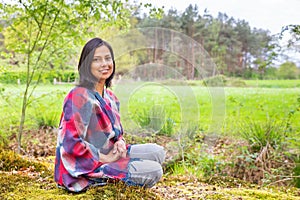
{"points": [[145, 168]]}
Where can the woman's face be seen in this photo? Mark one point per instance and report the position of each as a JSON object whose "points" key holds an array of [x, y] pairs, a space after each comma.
{"points": [[102, 64]]}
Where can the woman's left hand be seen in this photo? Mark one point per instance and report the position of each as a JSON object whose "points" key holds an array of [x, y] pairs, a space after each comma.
{"points": [[120, 147]]}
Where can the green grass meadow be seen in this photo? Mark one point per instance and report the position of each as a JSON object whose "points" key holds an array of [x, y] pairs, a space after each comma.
{"points": [[168, 108]]}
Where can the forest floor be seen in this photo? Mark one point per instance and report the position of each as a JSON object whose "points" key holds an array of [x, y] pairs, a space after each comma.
{"points": [[30, 176]]}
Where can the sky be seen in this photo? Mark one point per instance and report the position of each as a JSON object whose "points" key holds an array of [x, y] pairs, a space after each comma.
{"points": [[270, 15]]}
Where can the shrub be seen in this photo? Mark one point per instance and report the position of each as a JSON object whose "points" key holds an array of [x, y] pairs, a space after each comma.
{"points": [[12, 77], [261, 134], [237, 83], [174, 82], [46, 77], [215, 81], [222, 81]]}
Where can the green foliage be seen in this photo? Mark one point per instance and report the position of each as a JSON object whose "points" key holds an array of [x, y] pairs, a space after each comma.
{"points": [[157, 117], [47, 119], [274, 132], [10, 107], [268, 151], [47, 114], [194, 157], [215, 81], [178, 168], [176, 82], [267, 166], [222, 81], [155, 108], [46, 33], [154, 12], [142, 117], [273, 83], [236, 83], [288, 70], [154, 119], [209, 165], [260, 134], [229, 42], [294, 30], [296, 171], [11, 77], [198, 163], [168, 127], [214, 34], [240, 104]]}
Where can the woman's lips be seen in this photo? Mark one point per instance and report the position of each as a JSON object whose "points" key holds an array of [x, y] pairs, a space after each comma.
{"points": [[104, 71]]}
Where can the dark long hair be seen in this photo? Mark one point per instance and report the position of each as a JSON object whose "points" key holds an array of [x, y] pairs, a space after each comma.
{"points": [[86, 78]]}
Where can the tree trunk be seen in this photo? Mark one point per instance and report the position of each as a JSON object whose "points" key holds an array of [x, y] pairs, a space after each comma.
{"points": [[23, 113]]}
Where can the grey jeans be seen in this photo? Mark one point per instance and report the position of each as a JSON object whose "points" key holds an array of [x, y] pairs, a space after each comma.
{"points": [[145, 168]]}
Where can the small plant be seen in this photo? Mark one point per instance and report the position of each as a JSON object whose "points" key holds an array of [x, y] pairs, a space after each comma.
{"points": [[260, 134], [157, 117], [198, 162], [296, 172], [193, 157], [154, 119], [46, 110], [266, 158], [168, 127], [141, 117], [185, 138], [47, 119], [238, 105], [179, 169]]}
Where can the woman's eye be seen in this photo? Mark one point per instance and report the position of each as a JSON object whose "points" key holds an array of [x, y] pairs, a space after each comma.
{"points": [[98, 60]]}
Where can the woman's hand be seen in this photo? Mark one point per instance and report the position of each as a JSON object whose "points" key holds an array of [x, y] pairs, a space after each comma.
{"points": [[110, 157], [119, 151], [120, 147]]}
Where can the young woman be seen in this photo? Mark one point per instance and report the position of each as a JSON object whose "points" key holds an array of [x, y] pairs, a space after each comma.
{"points": [[90, 145]]}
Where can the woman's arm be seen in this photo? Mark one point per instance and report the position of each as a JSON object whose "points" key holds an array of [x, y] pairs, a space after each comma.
{"points": [[78, 156]]}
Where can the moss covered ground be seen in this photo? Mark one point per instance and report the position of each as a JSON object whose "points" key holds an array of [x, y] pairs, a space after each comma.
{"points": [[25, 178]]}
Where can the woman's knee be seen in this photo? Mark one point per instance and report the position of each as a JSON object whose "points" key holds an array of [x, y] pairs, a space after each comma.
{"points": [[160, 153], [148, 151], [144, 173]]}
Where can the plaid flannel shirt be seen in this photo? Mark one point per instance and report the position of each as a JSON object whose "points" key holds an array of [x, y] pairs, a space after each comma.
{"points": [[89, 125]]}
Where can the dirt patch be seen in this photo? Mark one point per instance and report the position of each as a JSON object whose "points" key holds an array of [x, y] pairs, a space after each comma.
{"points": [[36, 142]]}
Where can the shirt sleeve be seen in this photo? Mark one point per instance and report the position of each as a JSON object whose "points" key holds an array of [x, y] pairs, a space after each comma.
{"points": [[78, 156], [116, 106]]}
